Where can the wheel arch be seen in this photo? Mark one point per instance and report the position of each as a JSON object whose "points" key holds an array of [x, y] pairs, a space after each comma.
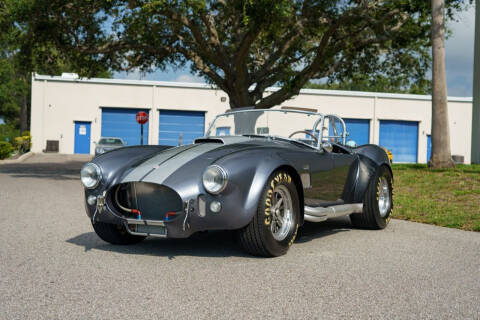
{"points": [[366, 168], [298, 185]]}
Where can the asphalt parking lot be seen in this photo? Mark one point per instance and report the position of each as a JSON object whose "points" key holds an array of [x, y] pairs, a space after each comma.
{"points": [[52, 265]]}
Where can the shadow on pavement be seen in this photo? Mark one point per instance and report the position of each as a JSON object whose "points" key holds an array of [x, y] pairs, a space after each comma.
{"points": [[69, 170], [312, 230], [205, 244], [214, 244]]}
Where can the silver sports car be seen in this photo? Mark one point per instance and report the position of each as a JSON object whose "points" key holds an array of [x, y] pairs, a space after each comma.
{"points": [[108, 144], [261, 173]]}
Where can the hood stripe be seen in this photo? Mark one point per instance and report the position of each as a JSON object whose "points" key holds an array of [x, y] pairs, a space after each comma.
{"points": [[148, 166], [159, 175]]}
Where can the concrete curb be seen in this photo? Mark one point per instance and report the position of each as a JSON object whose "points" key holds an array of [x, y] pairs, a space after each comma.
{"points": [[20, 159]]}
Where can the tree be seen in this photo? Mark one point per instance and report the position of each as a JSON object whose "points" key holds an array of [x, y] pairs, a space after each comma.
{"points": [[244, 46], [23, 51], [376, 83], [441, 154]]}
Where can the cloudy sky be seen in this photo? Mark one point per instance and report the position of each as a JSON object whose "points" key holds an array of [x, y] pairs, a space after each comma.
{"points": [[459, 60]]}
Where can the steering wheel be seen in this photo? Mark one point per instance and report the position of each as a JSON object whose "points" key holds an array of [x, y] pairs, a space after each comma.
{"points": [[306, 132]]}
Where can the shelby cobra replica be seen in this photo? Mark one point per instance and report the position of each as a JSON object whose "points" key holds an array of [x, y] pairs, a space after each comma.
{"points": [[261, 173]]}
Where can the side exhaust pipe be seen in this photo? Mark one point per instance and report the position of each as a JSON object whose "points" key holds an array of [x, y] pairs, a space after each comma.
{"points": [[318, 214]]}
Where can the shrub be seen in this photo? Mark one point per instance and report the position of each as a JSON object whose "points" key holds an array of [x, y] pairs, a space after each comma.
{"points": [[5, 149], [23, 143], [8, 132]]}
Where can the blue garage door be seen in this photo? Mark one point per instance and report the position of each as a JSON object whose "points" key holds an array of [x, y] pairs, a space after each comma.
{"points": [[400, 137], [82, 137], [122, 123], [180, 127], [359, 130]]}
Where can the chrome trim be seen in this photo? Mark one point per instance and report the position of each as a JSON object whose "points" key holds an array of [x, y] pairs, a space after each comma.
{"points": [[207, 132], [151, 223], [99, 171], [224, 175], [384, 201], [318, 214], [146, 222]]}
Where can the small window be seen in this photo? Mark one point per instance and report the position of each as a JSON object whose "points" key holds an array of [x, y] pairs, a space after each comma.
{"points": [[223, 131]]}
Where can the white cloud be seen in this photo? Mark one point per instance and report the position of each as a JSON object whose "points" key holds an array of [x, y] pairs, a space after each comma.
{"points": [[188, 78]]}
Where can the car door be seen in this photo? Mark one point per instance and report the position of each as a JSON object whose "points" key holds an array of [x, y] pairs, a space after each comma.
{"points": [[328, 169]]}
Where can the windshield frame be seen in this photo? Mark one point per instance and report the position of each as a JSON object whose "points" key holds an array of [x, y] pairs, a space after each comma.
{"points": [[320, 121]]}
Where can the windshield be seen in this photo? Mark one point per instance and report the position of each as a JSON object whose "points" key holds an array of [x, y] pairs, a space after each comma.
{"points": [[290, 124], [111, 141]]}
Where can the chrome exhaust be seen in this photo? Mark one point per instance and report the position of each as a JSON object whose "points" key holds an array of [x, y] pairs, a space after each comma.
{"points": [[318, 214]]}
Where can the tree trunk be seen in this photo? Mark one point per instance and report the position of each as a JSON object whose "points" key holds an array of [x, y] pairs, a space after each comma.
{"points": [[476, 90], [441, 154], [24, 113]]}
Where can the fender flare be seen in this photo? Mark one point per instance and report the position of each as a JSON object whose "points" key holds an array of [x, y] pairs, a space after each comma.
{"points": [[258, 174], [360, 174]]}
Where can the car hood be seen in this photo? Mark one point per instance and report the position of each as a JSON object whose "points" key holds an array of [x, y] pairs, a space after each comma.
{"points": [[194, 157]]}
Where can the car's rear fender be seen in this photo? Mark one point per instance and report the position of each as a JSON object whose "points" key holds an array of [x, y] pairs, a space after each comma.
{"points": [[368, 160]]}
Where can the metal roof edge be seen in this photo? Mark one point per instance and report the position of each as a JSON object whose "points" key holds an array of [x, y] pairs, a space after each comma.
{"points": [[195, 85]]}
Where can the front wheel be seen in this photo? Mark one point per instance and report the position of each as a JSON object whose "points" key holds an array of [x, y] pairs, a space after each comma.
{"points": [[275, 224], [377, 202], [115, 233]]}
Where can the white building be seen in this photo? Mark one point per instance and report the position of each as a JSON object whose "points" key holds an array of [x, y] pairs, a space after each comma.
{"points": [[70, 114]]}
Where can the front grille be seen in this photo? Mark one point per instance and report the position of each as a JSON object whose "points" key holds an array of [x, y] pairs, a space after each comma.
{"points": [[144, 200]]}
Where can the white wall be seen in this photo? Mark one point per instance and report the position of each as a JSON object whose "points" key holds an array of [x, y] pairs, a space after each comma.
{"points": [[58, 102], [56, 105]]}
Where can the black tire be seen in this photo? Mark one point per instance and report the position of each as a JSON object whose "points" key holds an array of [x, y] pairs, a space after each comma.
{"points": [[115, 233], [371, 218], [257, 238]]}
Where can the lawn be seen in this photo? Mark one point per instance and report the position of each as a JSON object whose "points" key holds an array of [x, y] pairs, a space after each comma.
{"points": [[448, 197]]}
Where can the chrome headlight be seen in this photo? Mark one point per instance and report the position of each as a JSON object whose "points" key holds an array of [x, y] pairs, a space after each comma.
{"points": [[91, 175], [100, 150], [214, 179]]}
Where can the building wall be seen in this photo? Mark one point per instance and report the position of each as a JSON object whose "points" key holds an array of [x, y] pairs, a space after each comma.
{"points": [[58, 102]]}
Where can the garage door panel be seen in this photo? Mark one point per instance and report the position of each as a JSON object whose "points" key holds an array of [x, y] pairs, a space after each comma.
{"points": [[174, 128], [177, 125], [400, 137], [358, 130], [121, 122]]}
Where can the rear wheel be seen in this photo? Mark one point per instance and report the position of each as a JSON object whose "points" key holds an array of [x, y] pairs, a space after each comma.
{"points": [[377, 202], [275, 224], [115, 233]]}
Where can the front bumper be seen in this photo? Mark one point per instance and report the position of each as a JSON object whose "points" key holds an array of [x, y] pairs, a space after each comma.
{"points": [[178, 227], [188, 215]]}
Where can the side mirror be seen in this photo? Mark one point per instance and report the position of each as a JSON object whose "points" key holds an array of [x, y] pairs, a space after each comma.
{"points": [[95, 142], [327, 146]]}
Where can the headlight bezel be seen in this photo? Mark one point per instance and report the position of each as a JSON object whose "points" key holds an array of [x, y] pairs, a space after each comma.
{"points": [[98, 172], [222, 173]]}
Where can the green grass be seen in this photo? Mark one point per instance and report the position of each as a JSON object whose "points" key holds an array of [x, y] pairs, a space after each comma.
{"points": [[444, 197]]}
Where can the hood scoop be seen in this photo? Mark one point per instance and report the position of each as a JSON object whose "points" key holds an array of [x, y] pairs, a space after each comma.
{"points": [[223, 140], [209, 140]]}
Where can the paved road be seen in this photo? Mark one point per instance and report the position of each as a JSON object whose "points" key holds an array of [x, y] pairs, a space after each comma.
{"points": [[52, 266]]}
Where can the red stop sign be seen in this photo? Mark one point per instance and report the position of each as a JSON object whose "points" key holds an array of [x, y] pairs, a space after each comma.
{"points": [[142, 117]]}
